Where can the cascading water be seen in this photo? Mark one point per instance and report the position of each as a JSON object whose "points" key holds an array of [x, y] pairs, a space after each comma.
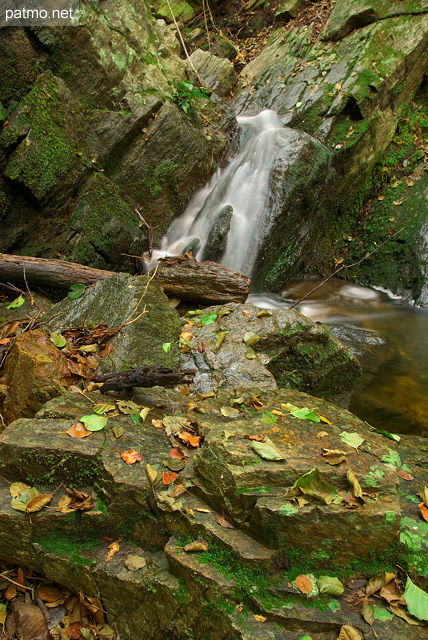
{"points": [[229, 217]]}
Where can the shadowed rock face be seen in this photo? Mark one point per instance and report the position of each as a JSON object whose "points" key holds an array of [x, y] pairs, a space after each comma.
{"points": [[216, 241]]}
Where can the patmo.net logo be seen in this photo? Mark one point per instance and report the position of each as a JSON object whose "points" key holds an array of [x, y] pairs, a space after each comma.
{"points": [[30, 13]]}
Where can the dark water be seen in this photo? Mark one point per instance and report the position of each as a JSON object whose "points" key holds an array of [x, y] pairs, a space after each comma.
{"points": [[396, 398]]}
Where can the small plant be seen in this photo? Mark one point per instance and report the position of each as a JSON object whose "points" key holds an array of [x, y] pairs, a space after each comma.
{"points": [[186, 92]]}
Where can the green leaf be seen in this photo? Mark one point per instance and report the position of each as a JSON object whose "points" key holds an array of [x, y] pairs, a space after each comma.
{"points": [[3, 613], [269, 418], [76, 290], [118, 431], [230, 412], [250, 338], [313, 484], [416, 600], [58, 340], [391, 436], [167, 346], [351, 439], [18, 302], [128, 407], [306, 638], [330, 585], [94, 422], [267, 450], [298, 104], [305, 414], [209, 318], [135, 417]]}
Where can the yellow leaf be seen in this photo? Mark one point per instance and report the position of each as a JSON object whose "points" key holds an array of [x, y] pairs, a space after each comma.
{"points": [[259, 618], [325, 420], [114, 548]]}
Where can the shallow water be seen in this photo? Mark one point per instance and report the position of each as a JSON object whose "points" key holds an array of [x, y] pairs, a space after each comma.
{"points": [[397, 398]]}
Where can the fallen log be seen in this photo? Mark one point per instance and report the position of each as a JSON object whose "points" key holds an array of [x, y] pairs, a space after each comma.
{"points": [[205, 282], [145, 377], [47, 272]]}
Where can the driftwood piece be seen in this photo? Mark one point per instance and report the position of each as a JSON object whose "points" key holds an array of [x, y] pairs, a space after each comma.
{"points": [[145, 377], [207, 282], [47, 272]]}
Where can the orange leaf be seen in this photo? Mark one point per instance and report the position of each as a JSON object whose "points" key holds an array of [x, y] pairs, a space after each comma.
{"points": [[105, 350], [4, 340], [224, 521], [114, 548], [405, 475], [325, 420], [73, 630], [131, 456], [176, 453], [193, 441], [49, 593], [78, 430], [424, 511], [20, 578], [304, 584], [256, 438], [169, 476]]}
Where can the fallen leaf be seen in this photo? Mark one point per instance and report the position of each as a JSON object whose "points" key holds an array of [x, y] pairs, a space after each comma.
{"points": [[392, 593], [267, 450], [103, 407], [11, 592], [75, 500], [105, 350], [416, 600], [334, 456], [18, 487], [118, 431], [49, 593], [405, 475], [325, 420], [424, 496], [18, 302], [58, 340], [134, 563], [330, 585], [424, 511], [144, 413], [78, 430], [74, 630], [152, 474], [128, 407], [348, 633], [230, 412], [368, 612], [250, 338], [313, 484], [38, 502], [189, 439], [401, 612], [169, 476], [4, 340], [176, 453], [377, 582], [167, 503], [3, 612], [224, 521], [114, 548], [94, 605], [167, 346], [321, 434], [178, 490], [304, 584], [131, 456], [88, 348], [196, 545], [94, 422], [259, 618], [356, 487], [351, 439], [158, 424], [202, 510], [255, 438]]}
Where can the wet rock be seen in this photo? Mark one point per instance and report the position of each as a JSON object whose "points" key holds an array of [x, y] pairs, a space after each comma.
{"points": [[192, 247], [134, 305], [35, 371], [369, 347], [217, 237], [218, 73], [287, 350]]}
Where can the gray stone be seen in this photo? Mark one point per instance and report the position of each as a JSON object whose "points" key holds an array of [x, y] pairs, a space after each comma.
{"points": [[217, 237], [218, 73]]}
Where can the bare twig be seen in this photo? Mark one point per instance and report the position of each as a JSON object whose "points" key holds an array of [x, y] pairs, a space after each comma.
{"points": [[21, 586], [149, 232], [183, 43], [27, 287], [347, 266]]}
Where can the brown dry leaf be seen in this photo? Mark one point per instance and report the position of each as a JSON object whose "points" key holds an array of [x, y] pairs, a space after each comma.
{"points": [[392, 593], [356, 487], [4, 340], [20, 578], [179, 489], [321, 434], [304, 584], [189, 439], [348, 633], [246, 314], [152, 474], [377, 582], [405, 475], [131, 456], [202, 510], [256, 438], [169, 476], [49, 593], [196, 545], [158, 424], [105, 350], [94, 605], [334, 456], [259, 618], [11, 592], [114, 548], [201, 347], [133, 563], [256, 402], [401, 612], [186, 335], [224, 521], [424, 511], [176, 453], [73, 630], [75, 501], [38, 503], [78, 430]]}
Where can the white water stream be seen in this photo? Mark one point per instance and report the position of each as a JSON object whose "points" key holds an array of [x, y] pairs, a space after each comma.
{"points": [[399, 392]]}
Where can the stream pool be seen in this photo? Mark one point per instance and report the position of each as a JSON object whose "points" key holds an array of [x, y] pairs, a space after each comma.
{"points": [[396, 398]]}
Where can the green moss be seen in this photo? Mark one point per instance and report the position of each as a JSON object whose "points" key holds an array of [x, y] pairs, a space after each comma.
{"points": [[163, 176], [73, 547]]}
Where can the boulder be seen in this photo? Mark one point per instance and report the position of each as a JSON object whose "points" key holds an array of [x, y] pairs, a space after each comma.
{"points": [[135, 306], [244, 346], [34, 372], [218, 73]]}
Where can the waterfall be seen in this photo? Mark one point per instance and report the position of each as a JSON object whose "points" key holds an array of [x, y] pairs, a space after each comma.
{"points": [[227, 219]]}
